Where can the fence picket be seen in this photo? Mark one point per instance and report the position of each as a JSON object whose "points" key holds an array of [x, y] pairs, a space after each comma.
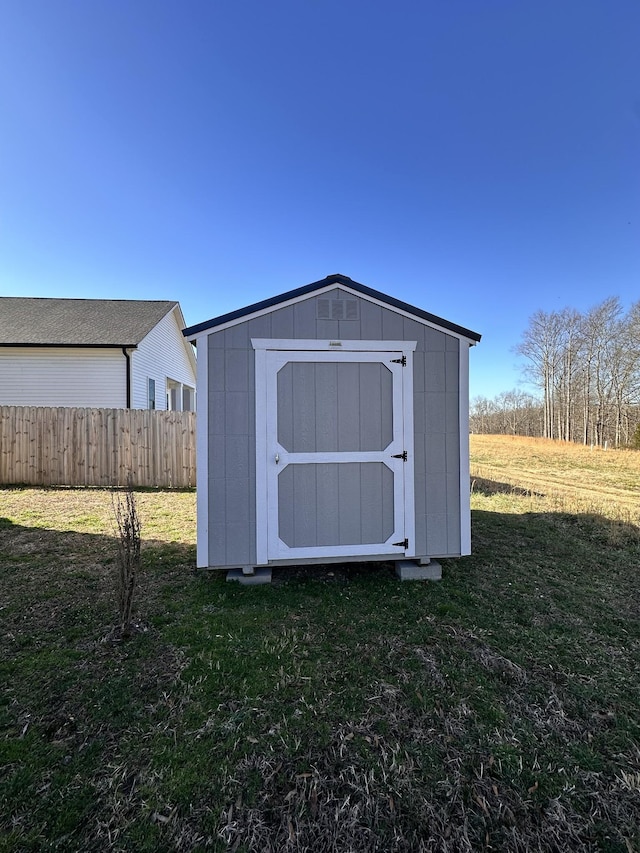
{"points": [[45, 446]]}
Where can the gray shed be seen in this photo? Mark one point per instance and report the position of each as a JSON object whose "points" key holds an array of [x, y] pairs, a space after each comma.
{"points": [[332, 426]]}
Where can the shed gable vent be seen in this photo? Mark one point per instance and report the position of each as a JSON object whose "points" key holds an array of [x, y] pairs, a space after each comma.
{"points": [[337, 309]]}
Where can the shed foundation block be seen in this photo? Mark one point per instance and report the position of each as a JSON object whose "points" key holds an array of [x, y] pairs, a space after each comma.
{"points": [[407, 570], [255, 577]]}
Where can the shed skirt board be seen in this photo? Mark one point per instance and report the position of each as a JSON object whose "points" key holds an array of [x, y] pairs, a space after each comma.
{"points": [[333, 475]]}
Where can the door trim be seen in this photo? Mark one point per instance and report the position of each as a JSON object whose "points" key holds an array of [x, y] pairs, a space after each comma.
{"points": [[266, 423]]}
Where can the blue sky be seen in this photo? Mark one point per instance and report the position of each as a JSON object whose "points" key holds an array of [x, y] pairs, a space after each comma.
{"points": [[479, 159]]}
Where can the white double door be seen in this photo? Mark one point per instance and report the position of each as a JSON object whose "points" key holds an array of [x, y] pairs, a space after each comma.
{"points": [[334, 461]]}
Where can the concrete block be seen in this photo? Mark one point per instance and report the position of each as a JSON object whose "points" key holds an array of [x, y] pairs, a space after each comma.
{"points": [[257, 577], [408, 570]]}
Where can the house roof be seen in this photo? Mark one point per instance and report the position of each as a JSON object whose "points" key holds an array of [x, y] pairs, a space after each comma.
{"points": [[330, 280], [79, 322]]}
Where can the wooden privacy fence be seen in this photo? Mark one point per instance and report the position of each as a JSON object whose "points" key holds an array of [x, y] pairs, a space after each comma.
{"points": [[43, 446]]}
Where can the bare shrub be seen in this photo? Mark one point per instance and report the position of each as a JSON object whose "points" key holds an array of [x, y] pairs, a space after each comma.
{"points": [[125, 511]]}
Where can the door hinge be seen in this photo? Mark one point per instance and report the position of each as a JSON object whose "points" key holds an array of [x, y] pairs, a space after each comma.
{"points": [[402, 361], [402, 456], [404, 544]]}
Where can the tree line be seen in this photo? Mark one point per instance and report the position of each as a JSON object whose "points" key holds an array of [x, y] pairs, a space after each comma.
{"points": [[586, 367]]}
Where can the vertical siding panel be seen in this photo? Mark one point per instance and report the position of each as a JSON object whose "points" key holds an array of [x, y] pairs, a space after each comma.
{"points": [[304, 319], [238, 545], [435, 413], [392, 325], [304, 506], [452, 370], [237, 337], [435, 379], [216, 370], [412, 331], [374, 399], [237, 370], [326, 405], [217, 540], [282, 324], [327, 507], [435, 341], [349, 330], [370, 321], [451, 412], [286, 501], [259, 327], [419, 413], [237, 502], [236, 415], [303, 397], [436, 453], [437, 534], [348, 407], [217, 505], [419, 372], [371, 487], [350, 499], [328, 330], [218, 457], [387, 501], [285, 416]]}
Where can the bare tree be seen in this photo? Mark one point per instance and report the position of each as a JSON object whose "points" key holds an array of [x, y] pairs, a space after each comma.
{"points": [[542, 346]]}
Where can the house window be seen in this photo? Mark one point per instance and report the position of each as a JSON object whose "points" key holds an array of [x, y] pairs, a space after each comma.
{"points": [[188, 399], [152, 393], [173, 396]]}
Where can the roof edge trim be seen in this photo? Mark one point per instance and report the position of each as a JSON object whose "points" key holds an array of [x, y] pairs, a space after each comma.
{"points": [[240, 314]]}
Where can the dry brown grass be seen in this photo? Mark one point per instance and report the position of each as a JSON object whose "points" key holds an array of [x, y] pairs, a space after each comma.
{"points": [[561, 477]]}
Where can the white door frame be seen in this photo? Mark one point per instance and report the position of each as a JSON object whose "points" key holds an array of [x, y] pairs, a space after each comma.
{"points": [[266, 426]]}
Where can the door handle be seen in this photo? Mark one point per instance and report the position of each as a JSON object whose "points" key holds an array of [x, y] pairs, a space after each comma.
{"points": [[277, 458]]}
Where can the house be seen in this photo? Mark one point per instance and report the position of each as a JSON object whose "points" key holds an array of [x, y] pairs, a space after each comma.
{"points": [[332, 426], [99, 353]]}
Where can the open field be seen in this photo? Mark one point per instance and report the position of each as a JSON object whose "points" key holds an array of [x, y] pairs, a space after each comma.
{"points": [[336, 711], [568, 476]]}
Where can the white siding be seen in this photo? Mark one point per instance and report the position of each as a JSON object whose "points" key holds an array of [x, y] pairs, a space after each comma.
{"points": [[58, 376], [161, 355]]}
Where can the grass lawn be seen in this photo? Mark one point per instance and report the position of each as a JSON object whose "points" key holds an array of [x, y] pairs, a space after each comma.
{"points": [[337, 710]]}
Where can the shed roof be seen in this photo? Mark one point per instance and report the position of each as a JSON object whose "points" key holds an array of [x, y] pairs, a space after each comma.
{"points": [[26, 321], [308, 289]]}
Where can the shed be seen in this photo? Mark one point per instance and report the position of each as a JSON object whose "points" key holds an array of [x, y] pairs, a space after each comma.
{"points": [[332, 425]]}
